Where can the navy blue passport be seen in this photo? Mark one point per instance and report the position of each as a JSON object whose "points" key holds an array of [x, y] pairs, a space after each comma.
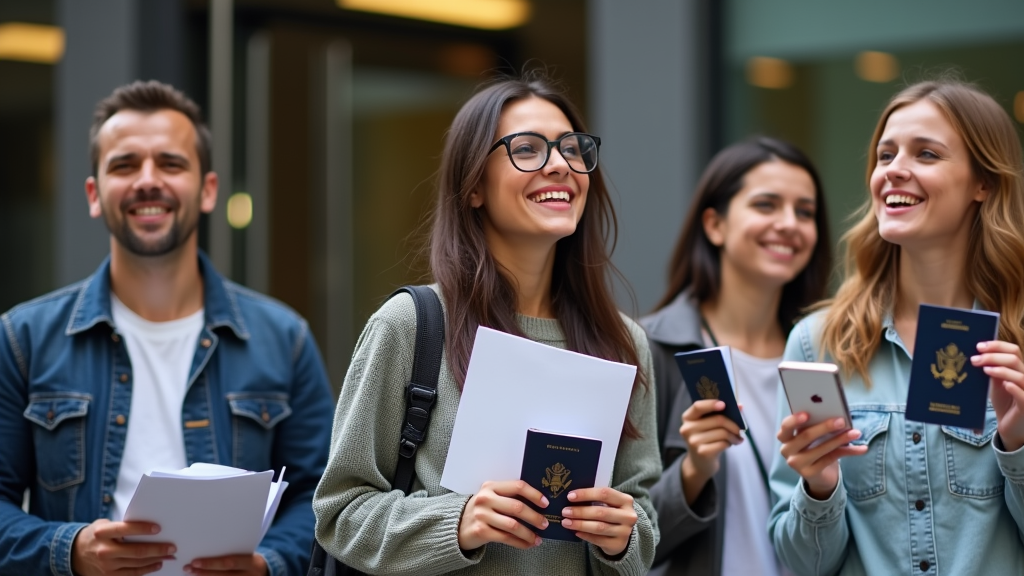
{"points": [[708, 376], [945, 388], [556, 464]]}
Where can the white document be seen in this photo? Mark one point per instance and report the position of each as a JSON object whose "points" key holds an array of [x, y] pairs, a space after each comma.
{"points": [[206, 510], [514, 384]]}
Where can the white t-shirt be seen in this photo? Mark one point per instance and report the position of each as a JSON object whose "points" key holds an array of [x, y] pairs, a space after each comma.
{"points": [[161, 356], [747, 549]]}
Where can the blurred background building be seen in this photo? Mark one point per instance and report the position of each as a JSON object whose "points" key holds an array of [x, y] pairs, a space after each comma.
{"points": [[328, 117]]}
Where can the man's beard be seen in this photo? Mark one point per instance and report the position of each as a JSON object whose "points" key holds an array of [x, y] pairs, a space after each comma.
{"points": [[181, 229]]}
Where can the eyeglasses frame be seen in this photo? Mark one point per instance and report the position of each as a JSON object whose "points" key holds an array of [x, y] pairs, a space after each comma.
{"points": [[507, 141]]}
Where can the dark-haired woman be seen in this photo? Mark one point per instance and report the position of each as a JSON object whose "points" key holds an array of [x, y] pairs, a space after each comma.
{"points": [[518, 244], [752, 253]]}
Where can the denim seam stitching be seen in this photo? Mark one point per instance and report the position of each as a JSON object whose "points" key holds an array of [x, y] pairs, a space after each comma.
{"points": [[107, 448], [210, 412], [13, 341], [78, 305], [300, 341]]}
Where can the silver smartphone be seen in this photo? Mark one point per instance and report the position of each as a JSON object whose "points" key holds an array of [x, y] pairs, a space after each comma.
{"points": [[815, 388]]}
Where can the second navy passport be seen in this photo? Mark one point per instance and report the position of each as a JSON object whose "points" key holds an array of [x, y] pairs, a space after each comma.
{"points": [[556, 464], [708, 375], [945, 388]]}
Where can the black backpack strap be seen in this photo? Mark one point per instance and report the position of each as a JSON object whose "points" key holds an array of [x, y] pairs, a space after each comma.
{"points": [[421, 391], [420, 397]]}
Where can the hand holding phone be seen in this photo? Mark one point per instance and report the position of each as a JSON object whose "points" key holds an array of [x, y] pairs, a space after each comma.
{"points": [[818, 432], [815, 388]]}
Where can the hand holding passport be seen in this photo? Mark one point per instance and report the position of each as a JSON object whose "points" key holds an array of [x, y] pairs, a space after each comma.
{"points": [[554, 464], [945, 388], [708, 375]]}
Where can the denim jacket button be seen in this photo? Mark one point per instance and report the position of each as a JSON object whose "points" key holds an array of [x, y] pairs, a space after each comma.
{"points": [[205, 343], [115, 337], [120, 419], [50, 415], [123, 378], [266, 417], [916, 437], [924, 565], [107, 498], [919, 505]]}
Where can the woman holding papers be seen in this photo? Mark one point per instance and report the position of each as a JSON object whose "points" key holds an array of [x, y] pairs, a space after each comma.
{"points": [[519, 244], [747, 261], [942, 225]]}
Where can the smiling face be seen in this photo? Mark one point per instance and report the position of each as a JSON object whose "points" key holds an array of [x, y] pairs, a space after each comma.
{"points": [[768, 233], [148, 187], [923, 188], [523, 208]]}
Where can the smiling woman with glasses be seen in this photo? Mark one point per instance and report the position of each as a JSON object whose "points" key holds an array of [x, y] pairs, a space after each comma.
{"points": [[518, 244]]}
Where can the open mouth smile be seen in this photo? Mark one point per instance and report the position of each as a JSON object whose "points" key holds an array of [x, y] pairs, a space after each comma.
{"points": [[149, 211], [780, 249], [898, 201], [551, 196]]}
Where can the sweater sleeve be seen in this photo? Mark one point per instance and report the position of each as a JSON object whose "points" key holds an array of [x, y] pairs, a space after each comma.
{"points": [[637, 468], [360, 519], [810, 536]]}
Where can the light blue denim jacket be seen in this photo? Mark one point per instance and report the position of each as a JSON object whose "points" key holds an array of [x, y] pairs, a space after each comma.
{"points": [[925, 500], [258, 398]]}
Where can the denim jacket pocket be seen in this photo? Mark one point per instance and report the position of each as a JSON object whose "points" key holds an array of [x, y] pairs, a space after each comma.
{"points": [[254, 416], [59, 435], [971, 467], [864, 476]]}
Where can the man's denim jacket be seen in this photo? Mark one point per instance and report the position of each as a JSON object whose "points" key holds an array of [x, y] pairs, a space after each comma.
{"points": [[258, 398]]}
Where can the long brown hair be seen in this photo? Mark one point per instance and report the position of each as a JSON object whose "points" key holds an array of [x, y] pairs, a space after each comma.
{"points": [[853, 323], [696, 263], [477, 292]]}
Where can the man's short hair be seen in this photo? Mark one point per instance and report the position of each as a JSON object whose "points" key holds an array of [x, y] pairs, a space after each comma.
{"points": [[148, 97]]}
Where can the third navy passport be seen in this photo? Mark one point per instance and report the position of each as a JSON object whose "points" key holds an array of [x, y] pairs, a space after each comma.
{"points": [[556, 464], [945, 388]]}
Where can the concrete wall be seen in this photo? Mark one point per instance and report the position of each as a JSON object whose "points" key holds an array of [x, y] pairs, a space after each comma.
{"points": [[645, 61], [104, 49]]}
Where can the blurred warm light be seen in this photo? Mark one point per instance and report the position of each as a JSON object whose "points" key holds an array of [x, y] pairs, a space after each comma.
{"points": [[487, 14], [470, 60], [239, 210], [877, 66], [765, 72], [31, 42], [1018, 107]]}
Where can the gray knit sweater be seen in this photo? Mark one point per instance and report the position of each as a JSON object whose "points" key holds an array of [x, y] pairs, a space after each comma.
{"points": [[361, 520]]}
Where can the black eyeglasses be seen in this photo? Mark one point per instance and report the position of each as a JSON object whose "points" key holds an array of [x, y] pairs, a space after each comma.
{"points": [[530, 151]]}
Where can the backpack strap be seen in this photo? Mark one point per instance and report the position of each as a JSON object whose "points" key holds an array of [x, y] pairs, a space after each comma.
{"points": [[420, 397], [421, 391]]}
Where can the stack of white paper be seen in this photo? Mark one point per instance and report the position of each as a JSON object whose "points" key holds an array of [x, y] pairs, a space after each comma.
{"points": [[206, 510], [514, 384]]}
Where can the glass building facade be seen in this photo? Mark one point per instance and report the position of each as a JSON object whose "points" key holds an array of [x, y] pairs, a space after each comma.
{"points": [[328, 121]]}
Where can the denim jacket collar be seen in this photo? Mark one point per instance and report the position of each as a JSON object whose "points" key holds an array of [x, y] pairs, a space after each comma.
{"points": [[889, 324], [92, 306]]}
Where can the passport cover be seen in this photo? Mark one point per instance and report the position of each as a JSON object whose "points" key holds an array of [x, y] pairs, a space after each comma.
{"points": [[708, 375], [556, 464], [945, 388]]}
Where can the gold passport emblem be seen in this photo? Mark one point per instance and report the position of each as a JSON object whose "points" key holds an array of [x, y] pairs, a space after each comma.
{"points": [[951, 361], [557, 479], [707, 388]]}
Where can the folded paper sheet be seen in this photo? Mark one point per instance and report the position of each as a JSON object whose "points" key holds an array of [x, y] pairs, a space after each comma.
{"points": [[514, 384], [206, 510]]}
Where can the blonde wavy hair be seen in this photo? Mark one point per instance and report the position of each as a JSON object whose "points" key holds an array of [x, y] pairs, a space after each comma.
{"points": [[853, 324]]}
